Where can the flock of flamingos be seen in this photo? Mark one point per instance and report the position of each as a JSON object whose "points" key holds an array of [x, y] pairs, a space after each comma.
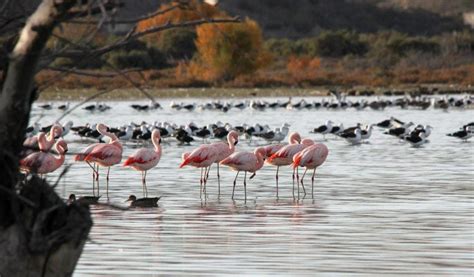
{"points": [[298, 153]]}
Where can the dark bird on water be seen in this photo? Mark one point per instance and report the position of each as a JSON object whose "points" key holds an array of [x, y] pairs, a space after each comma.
{"points": [[86, 200], [143, 202]]}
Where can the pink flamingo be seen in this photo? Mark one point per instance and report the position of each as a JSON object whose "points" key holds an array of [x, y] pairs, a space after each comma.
{"points": [[224, 150], [247, 162], [202, 157], [105, 154], [48, 140], [80, 158], [145, 159], [294, 138], [284, 156], [311, 157], [43, 162]]}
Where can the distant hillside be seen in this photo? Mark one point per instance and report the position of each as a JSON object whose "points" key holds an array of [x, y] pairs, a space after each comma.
{"points": [[302, 18], [443, 7], [295, 19]]}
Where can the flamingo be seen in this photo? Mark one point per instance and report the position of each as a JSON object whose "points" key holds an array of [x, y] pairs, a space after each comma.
{"points": [[42, 162], [311, 157], [294, 138], [224, 150], [284, 156], [247, 162], [106, 154], [80, 158], [145, 159], [48, 140], [202, 157]]}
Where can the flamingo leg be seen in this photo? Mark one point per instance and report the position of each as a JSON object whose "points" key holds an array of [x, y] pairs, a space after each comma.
{"points": [[302, 185], [146, 189], [93, 177], [93, 167], [97, 180], [206, 178], [200, 183], [298, 182], [293, 183], [245, 186], [276, 177], [218, 181], [235, 181], [206, 172], [312, 183], [108, 172], [143, 184]]}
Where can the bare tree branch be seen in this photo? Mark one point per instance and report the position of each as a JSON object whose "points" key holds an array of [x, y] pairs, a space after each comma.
{"points": [[130, 21], [91, 73], [133, 34]]}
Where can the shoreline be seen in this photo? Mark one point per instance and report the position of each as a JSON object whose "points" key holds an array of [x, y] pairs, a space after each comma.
{"points": [[222, 93]]}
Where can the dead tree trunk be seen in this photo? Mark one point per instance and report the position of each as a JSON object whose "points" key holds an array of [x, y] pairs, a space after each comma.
{"points": [[39, 234]]}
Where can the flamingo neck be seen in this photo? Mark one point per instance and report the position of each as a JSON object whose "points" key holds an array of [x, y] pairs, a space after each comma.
{"points": [[115, 142], [260, 160], [42, 142], [156, 144], [49, 140], [60, 154], [230, 141], [113, 137]]}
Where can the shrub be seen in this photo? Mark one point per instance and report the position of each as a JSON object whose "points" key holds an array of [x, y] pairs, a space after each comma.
{"points": [[231, 49], [157, 58], [280, 47], [178, 44], [303, 67], [340, 43], [402, 46], [190, 10], [133, 59]]}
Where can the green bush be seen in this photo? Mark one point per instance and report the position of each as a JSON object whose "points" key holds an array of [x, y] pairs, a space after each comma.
{"points": [[178, 43], [157, 58], [403, 46], [340, 43], [327, 44], [133, 59], [280, 47]]}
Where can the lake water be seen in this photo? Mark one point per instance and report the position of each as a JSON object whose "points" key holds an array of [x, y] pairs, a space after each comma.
{"points": [[379, 208]]}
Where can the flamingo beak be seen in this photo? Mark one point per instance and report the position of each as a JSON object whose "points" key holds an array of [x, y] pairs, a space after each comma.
{"points": [[235, 143]]}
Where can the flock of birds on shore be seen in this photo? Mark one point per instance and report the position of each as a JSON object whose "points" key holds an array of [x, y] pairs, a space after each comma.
{"points": [[338, 102], [38, 157]]}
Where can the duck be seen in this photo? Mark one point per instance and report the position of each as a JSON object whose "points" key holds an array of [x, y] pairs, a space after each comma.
{"points": [[85, 200], [148, 202]]}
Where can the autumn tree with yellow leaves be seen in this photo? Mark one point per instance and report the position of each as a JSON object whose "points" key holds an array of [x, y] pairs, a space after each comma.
{"points": [[228, 50]]}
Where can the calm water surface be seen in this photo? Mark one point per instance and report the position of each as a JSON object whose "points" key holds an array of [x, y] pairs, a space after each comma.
{"points": [[379, 208]]}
